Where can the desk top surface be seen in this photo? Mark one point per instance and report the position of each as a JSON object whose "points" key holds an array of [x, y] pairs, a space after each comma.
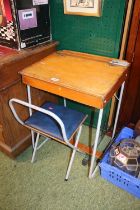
{"points": [[73, 74]]}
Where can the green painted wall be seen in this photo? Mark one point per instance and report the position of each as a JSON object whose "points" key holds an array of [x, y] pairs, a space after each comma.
{"points": [[95, 35]]}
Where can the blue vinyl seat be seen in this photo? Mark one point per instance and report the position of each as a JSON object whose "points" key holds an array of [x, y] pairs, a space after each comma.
{"points": [[53, 121], [46, 124]]}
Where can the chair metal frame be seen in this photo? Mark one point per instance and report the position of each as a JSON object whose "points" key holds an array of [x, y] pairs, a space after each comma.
{"points": [[60, 123]]}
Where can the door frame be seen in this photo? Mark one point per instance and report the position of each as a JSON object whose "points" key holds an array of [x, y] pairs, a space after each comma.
{"points": [[125, 119]]}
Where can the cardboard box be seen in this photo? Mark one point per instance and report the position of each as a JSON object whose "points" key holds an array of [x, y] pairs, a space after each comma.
{"points": [[24, 23], [8, 31]]}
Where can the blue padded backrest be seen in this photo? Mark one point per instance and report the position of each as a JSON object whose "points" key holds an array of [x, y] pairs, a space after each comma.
{"points": [[71, 119]]}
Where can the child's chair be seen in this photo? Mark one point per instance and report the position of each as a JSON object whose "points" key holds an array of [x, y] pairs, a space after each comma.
{"points": [[54, 121]]}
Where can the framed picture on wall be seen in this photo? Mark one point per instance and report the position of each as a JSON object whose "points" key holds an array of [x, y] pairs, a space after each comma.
{"points": [[83, 7]]}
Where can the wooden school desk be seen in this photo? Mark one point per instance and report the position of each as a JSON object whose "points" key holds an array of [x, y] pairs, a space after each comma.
{"points": [[81, 77]]}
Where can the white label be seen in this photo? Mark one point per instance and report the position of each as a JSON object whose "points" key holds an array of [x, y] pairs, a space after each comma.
{"points": [[23, 45], [54, 79], [40, 2], [27, 15]]}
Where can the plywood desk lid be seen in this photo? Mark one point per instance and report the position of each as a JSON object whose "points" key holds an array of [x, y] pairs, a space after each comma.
{"points": [[84, 73]]}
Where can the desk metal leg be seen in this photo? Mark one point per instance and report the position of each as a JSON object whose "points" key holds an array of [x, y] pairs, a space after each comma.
{"points": [[92, 172], [30, 113], [34, 142], [118, 110], [95, 143]]}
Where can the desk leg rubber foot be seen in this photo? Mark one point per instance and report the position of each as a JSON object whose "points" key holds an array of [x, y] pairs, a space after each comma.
{"points": [[86, 160]]}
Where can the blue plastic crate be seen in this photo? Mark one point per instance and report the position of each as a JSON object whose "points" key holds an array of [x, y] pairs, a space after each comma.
{"points": [[114, 175]]}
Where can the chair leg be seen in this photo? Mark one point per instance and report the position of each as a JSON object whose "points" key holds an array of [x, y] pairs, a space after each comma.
{"points": [[33, 138], [35, 147], [73, 153]]}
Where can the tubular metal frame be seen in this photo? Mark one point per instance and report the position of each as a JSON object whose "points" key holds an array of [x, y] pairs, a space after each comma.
{"points": [[64, 136], [93, 168], [58, 120], [30, 113]]}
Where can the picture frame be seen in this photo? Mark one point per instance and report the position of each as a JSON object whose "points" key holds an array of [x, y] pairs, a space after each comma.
{"points": [[83, 7]]}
